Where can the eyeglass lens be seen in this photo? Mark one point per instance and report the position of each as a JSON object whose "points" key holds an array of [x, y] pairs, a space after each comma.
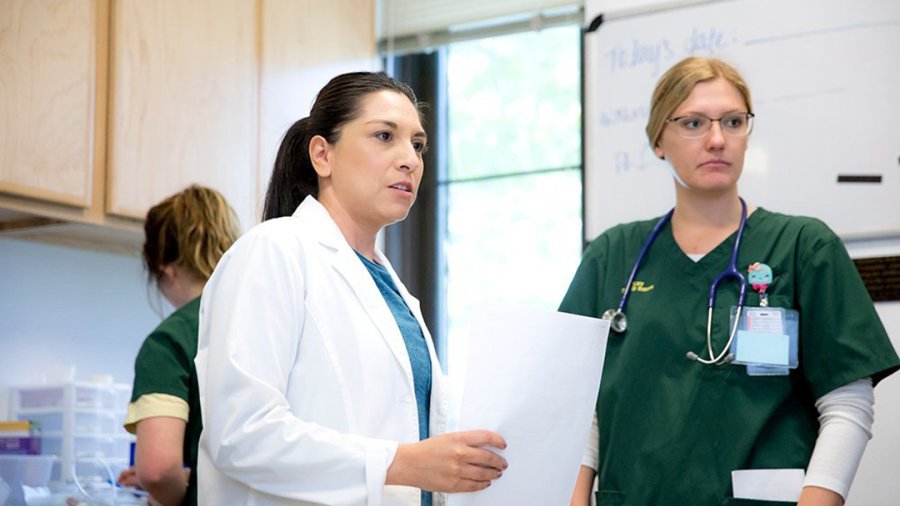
{"points": [[697, 126]]}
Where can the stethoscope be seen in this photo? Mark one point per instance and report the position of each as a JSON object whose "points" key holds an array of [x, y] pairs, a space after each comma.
{"points": [[618, 322]]}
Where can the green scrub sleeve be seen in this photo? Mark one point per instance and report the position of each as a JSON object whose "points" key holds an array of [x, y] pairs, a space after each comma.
{"points": [[162, 366], [582, 297], [842, 337]]}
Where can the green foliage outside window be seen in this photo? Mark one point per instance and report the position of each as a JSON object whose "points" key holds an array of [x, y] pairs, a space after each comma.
{"points": [[514, 183]]}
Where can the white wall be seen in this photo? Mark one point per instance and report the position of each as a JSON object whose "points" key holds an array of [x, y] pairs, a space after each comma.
{"points": [[876, 481], [62, 307]]}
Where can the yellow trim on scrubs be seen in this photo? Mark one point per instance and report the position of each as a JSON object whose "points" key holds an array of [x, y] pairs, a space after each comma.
{"points": [[151, 405]]}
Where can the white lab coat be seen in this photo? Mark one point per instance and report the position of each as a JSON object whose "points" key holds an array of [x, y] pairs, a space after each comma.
{"points": [[305, 383]]}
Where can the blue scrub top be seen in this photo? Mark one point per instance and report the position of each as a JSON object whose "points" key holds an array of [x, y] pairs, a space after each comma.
{"points": [[416, 347]]}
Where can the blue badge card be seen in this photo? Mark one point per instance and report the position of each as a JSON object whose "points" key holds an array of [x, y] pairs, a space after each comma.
{"points": [[766, 340]]}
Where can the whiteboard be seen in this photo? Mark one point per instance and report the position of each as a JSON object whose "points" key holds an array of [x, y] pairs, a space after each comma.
{"points": [[824, 77]]}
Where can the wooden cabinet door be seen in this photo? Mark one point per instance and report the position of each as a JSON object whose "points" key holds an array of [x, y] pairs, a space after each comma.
{"points": [[304, 44], [50, 55], [184, 102]]}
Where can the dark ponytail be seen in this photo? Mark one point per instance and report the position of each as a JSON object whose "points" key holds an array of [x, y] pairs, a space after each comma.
{"points": [[293, 176]]}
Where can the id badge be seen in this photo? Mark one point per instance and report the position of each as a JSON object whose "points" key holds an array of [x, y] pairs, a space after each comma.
{"points": [[766, 340]]}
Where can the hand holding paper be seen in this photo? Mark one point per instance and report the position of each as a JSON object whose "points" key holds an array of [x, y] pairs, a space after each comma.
{"points": [[454, 462]]}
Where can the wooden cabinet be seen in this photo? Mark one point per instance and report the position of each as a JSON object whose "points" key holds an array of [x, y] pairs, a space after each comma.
{"points": [[183, 102], [52, 70], [108, 106], [304, 44]]}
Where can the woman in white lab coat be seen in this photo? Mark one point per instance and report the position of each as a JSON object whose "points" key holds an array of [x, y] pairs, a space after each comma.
{"points": [[318, 379]]}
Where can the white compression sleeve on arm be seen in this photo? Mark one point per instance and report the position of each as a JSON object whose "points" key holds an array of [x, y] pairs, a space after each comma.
{"points": [[845, 417], [591, 457]]}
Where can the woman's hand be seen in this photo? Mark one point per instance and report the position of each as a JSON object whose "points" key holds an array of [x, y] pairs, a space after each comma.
{"points": [[817, 496], [128, 478], [454, 462]]}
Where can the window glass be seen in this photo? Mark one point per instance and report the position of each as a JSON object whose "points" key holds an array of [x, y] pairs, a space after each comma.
{"points": [[513, 185], [513, 240], [514, 103]]}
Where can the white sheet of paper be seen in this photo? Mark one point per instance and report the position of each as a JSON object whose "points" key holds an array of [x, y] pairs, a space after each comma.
{"points": [[533, 377], [768, 484]]}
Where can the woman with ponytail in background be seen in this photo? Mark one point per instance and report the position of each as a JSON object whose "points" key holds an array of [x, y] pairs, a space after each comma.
{"points": [[186, 235]]}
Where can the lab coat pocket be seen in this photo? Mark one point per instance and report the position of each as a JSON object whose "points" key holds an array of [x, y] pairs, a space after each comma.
{"points": [[731, 501], [610, 498]]}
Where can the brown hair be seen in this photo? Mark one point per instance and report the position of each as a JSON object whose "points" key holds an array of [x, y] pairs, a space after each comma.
{"points": [[192, 229], [678, 82]]}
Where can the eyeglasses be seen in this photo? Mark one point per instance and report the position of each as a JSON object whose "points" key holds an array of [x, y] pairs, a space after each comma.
{"points": [[737, 124]]}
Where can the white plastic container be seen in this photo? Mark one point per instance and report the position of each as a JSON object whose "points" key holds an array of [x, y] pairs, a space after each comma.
{"points": [[99, 422], [77, 420], [29, 470]]}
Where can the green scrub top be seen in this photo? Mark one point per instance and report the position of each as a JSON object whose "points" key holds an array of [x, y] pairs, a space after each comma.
{"points": [[671, 429], [165, 364]]}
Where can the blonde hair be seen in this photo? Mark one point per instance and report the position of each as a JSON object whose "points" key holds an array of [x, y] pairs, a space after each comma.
{"points": [[678, 82], [192, 229]]}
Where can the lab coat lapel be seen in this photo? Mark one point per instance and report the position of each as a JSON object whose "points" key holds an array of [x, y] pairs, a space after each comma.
{"points": [[439, 396], [349, 266]]}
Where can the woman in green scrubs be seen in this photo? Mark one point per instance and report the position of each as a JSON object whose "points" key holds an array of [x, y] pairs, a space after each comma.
{"points": [[672, 429], [185, 236]]}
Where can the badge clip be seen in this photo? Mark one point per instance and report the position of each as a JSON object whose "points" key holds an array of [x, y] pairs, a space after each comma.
{"points": [[760, 277]]}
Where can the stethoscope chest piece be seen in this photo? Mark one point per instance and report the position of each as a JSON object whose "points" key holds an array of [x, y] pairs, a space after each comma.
{"points": [[618, 322]]}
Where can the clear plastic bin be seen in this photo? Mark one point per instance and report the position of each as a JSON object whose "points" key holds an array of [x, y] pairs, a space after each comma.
{"points": [[96, 396], [89, 446], [35, 398], [86, 395], [77, 419], [28, 470], [105, 422]]}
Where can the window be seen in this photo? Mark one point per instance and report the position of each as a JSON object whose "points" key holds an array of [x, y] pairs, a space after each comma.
{"points": [[512, 197]]}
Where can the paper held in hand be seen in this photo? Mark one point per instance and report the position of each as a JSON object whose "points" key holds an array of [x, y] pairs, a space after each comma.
{"points": [[533, 377]]}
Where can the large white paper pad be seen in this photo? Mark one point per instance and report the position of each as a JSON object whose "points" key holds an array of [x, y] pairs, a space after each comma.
{"points": [[533, 377]]}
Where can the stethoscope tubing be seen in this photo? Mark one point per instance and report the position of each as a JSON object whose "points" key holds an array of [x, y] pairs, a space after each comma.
{"points": [[730, 272], [640, 259]]}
